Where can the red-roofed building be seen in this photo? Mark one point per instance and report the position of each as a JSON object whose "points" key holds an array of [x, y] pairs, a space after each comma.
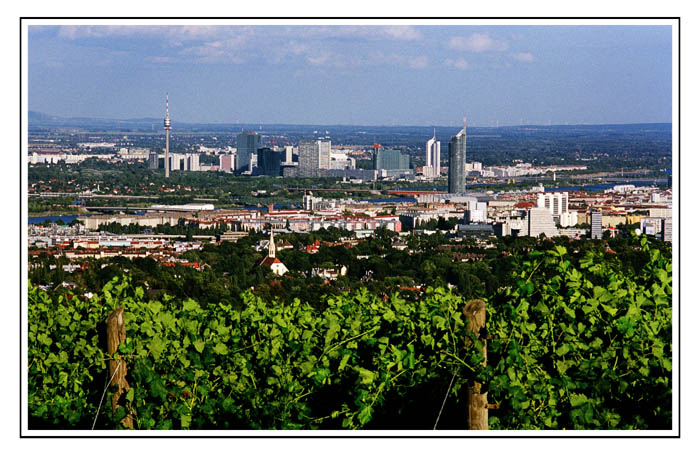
{"points": [[278, 268]]}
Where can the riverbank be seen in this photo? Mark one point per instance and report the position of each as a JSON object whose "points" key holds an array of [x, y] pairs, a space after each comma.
{"points": [[54, 213]]}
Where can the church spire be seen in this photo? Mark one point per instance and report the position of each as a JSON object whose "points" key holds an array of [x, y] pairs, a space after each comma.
{"points": [[271, 250]]}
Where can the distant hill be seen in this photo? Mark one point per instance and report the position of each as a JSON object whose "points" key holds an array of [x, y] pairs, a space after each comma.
{"points": [[39, 120], [40, 117]]}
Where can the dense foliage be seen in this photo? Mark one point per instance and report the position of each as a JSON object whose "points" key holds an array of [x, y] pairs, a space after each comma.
{"points": [[579, 343], [576, 340]]}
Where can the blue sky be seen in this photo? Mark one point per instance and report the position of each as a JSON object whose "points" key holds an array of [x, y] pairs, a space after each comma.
{"points": [[356, 74]]}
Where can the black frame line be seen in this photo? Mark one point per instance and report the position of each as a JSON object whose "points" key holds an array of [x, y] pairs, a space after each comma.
{"points": [[350, 436]]}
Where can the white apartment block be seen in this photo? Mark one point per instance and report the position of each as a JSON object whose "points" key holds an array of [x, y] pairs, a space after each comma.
{"points": [[540, 221]]}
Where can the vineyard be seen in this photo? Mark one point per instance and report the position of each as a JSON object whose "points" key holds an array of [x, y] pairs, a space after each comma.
{"points": [[573, 342]]}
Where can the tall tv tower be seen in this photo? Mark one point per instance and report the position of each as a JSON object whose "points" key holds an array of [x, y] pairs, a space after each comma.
{"points": [[166, 124]]}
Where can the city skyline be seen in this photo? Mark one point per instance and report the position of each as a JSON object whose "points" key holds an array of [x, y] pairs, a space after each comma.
{"points": [[356, 74]]}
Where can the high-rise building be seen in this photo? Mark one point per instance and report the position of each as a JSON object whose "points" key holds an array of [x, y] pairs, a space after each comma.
{"points": [[432, 158], [247, 144], [193, 162], [556, 203], [596, 224], [269, 162], [289, 154], [174, 162], [308, 159], [390, 159], [391, 163], [456, 180], [540, 221], [324, 154]]}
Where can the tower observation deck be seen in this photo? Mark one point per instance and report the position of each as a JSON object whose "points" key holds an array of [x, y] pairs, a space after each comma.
{"points": [[166, 125]]}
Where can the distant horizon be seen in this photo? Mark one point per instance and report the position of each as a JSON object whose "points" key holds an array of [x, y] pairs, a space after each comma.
{"points": [[175, 122], [382, 73]]}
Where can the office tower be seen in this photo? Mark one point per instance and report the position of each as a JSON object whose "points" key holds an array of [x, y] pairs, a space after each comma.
{"points": [[269, 162], [324, 154], [390, 159], [432, 158], [457, 150], [308, 159], [596, 224], [391, 163], [166, 124], [540, 221], [247, 144], [226, 163]]}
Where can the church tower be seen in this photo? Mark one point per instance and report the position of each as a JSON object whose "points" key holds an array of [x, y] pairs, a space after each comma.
{"points": [[271, 250]]}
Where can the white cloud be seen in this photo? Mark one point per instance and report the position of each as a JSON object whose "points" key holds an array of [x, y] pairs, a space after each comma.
{"points": [[326, 45], [213, 52], [220, 51], [332, 59], [296, 48], [394, 32], [459, 63], [403, 32], [287, 51], [323, 59], [100, 31], [477, 42], [418, 62], [524, 57], [177, 34]]}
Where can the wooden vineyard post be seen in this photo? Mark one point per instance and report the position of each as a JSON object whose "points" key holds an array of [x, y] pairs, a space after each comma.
{"points": [[116, 334], [475, 312]]}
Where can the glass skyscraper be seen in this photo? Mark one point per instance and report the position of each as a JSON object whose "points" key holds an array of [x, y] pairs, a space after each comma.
{"points": [[247, 143], [456, 180], [390, 159], [269, 161]]}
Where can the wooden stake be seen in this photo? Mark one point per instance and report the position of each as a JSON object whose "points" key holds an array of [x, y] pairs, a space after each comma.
{"points": [[116, 334], [475, 312]]}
